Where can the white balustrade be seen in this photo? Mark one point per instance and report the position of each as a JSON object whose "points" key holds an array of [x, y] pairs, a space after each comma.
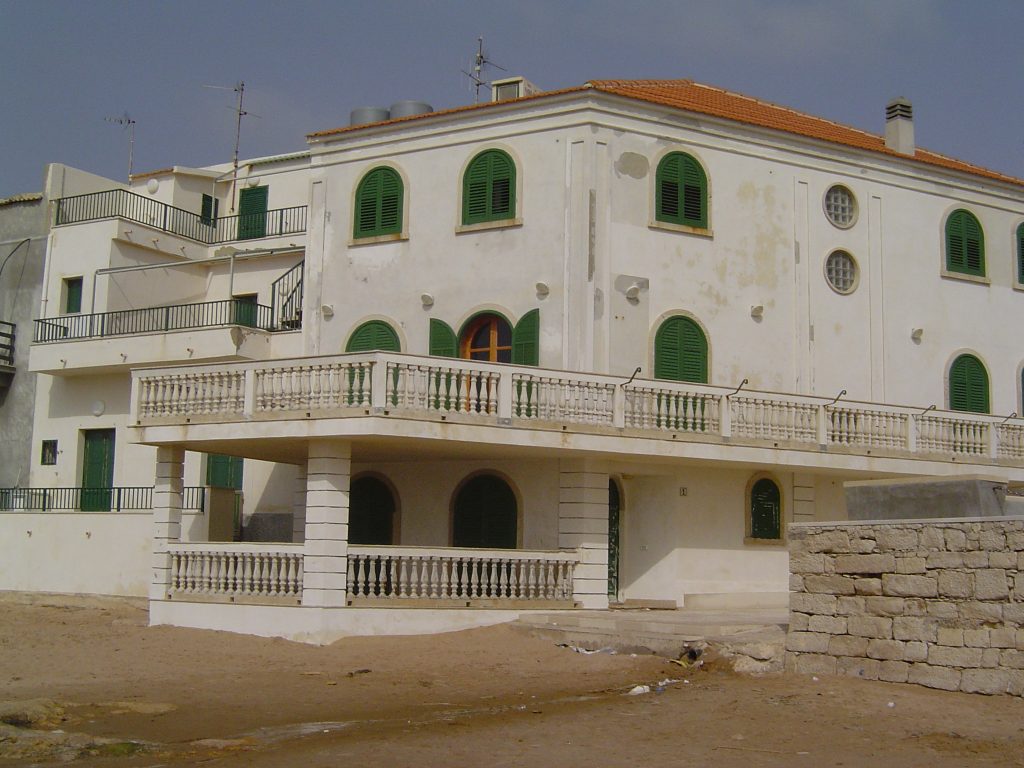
{"points": [[866, 428], [551, 398], [407, 385], [672, 410], [271, 572], [397, 574]]}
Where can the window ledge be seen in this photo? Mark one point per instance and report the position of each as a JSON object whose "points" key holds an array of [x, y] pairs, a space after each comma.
{"points": [[485, 225], [1018, 286], [684, 228], [750, 540], [965, 277], [393, 238]]}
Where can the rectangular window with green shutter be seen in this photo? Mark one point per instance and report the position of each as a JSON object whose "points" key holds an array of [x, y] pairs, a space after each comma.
{"points": [[252, 212]]}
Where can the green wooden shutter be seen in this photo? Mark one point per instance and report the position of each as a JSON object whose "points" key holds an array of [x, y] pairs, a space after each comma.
{"points": [[489, 188], [681, 191], [968, 385], [1020, 254], [667, 180], [224, 471], [694, 193], [765, 510], [252, 212], [965, 244], [526, 339], [208, 212], [73, 296], [374, 335], [681, 351], [443, 342], [379, 204]]}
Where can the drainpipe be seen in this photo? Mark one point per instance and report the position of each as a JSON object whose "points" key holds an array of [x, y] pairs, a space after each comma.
{"points": [[8, 257]]}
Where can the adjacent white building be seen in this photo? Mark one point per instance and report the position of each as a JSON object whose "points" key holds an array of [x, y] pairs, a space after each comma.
{"points": [[585, 346]]}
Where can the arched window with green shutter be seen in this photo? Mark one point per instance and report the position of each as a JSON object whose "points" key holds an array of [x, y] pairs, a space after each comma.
{"points": [[681, 196], [965, 244], [765, 510], [681, 351], [489, 188], [1020, 253], [374, 335], [379, 204], [968, 385]]}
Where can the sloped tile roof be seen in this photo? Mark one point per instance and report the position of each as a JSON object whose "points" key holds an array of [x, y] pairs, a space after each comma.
{"points": [[690, 96]]}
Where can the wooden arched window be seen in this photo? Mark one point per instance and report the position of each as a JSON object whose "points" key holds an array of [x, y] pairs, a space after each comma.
{"points": [[488, 337], [681, 351], [485, 514], [681, 196], [379, 204], [968, 385], [765, 510]]}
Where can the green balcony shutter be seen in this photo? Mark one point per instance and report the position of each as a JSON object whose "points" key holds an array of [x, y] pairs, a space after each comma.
{"points": [[965, 244], [526, 339], [681, 191], [224, 471], [668, 188], [694, 193], [488, 188], [968, 385], [443, 342], [252, 212], [208, 212], [681, 351], [765, 510], [73, 296], [374, 335], [379, 204]]}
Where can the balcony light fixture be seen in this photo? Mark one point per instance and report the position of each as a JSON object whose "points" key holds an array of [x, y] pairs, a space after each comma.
{"points": [[543, 289], [757, 311], [252, 181], [916, 334], [98, 407], [427, 300], [327, 310], [633, 292], [152, 186]]}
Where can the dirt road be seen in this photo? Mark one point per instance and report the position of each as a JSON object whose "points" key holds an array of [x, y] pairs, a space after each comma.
{"points": [[131, 695]]}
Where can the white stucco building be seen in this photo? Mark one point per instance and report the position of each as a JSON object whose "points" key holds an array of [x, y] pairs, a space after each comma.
{"points": [[463, 351]]}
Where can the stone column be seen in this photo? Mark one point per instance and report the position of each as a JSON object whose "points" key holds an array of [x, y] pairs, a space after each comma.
{"points": [[299, 507], [325, 554], [583, 525], [168, 487]]}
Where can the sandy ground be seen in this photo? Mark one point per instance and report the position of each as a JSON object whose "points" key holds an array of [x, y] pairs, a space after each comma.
{"points": [[129, 695]]}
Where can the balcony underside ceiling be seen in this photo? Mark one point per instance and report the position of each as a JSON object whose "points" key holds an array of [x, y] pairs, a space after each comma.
{"points": [[396, 439]]}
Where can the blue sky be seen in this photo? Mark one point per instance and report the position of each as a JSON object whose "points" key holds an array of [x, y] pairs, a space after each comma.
{"points": [[66, 66]]}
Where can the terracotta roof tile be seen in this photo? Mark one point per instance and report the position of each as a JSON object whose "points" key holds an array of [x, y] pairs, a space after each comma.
{"points": [[690, 96]]}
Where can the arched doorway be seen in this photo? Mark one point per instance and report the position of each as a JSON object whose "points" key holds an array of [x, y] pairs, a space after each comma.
{"points": [[614, 529], [371, 516], [485, 514]]}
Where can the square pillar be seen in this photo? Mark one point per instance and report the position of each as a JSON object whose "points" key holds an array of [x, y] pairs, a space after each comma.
{"points": [[168, 489], [325, 550], [583, 525], [299, 507]]}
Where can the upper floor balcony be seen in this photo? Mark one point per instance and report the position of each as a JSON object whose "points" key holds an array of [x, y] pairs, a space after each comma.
{"points": [[438, 405], [210, 230]]}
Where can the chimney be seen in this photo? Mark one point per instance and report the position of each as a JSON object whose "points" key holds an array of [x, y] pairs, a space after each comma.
{"points": [[899, 126]]}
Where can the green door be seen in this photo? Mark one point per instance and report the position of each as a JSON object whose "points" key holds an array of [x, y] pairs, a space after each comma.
{"points": [[252, 213], [224, 471], [97, 470], [244, 310], [614, 506]]}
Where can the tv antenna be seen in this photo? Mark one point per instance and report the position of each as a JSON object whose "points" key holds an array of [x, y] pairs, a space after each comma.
{"points": [[477, 75], [239, 88], [125, 121]]}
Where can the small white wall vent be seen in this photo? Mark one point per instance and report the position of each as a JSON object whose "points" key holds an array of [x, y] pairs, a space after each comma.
{"points": [[509, 88]]}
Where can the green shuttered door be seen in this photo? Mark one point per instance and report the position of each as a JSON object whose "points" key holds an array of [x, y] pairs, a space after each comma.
{"points": [[968, 385], [374, 335], [526, 339], [681, 351], [97, 470], [252, 213], [765, 510], [443, 342]]}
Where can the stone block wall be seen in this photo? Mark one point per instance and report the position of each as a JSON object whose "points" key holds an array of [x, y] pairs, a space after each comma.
{"points": [[939, 603]]}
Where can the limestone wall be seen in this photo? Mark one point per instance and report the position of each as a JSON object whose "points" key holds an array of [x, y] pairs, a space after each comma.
{"points": [[938, 603]]}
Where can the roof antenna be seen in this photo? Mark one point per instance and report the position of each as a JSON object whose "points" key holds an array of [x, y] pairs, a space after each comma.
{"points": [[127, 122], [239, 114], [479, 62]]}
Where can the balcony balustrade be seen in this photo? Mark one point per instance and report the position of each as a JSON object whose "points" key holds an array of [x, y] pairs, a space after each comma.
{"points": [[6, 343], [75, 499], [120, 203], [396, 385], [175, 317]]}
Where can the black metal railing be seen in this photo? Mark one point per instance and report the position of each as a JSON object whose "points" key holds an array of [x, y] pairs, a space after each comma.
{"points": [[204, 229], [286, 299], [175, 317], [6, 343], [112, 499]]}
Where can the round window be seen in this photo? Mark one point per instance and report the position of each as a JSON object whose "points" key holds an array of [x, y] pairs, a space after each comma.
{"points": [[841, 271], [840, 206]]}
